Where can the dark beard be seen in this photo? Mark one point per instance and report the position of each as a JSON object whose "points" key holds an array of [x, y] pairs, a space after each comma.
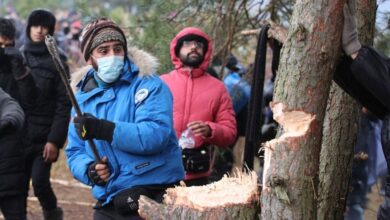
{"points": [[192, 61]]}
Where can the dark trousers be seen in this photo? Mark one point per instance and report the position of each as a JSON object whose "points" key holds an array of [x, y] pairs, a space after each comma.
{"points": [[108, 212], [13, 207], [384, 209], [39, 171], [197, 182]]}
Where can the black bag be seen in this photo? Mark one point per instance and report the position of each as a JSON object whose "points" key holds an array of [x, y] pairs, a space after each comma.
{"points": [[196, 160], [126, 202]]}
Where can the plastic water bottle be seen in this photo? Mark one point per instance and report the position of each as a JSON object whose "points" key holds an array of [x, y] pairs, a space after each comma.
{"points": [[187, 139]]}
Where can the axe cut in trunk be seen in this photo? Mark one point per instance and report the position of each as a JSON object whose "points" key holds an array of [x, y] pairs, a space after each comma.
{"points": [[234, 197]]}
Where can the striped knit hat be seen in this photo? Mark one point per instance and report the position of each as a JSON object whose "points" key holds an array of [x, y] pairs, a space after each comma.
{"points": [[99, 31]]}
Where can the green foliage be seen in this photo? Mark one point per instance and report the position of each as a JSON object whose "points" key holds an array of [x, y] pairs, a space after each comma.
{"points": [[24, 7], [382, 35]]}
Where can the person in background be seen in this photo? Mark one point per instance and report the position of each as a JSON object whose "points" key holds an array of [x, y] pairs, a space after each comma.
{"points": [[48, 121], [12, 193], [202, 109], [365, 75], [128, 112], [364, 165], [17, 89]]}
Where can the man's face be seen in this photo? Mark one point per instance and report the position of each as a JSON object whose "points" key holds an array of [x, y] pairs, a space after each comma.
{"points": [[191, 53], [109, 48], [38, 33], [6, 42]]}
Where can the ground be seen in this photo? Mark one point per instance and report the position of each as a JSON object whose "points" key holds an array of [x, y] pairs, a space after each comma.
{"points": [[77, 202]]}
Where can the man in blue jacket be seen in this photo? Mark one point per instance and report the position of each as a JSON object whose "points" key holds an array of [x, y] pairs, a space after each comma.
{"points": [[128, 114]]}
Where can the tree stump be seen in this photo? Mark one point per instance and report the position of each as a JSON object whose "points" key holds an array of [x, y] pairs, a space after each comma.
{"points": [[234, 197]]}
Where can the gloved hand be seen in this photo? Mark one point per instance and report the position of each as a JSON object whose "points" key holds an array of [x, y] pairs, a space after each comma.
{"points": [[93, 173], [89, 127], [350, 39], [19, 69], [6, 127]]}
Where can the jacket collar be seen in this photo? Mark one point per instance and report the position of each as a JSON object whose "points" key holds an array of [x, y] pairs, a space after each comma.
{"points": [[141, 64]]}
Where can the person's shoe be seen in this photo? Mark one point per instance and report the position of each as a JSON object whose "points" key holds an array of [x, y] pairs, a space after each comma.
{"points": [[55, 214]]}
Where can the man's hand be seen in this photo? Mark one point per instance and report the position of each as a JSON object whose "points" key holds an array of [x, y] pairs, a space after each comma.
{"points": [[99, 173], [199, 128], [350, 39], [89, 127], [50, 152]]}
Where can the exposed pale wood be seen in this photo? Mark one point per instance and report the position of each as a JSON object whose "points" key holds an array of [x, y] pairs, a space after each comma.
{"points": [[234, 197]]}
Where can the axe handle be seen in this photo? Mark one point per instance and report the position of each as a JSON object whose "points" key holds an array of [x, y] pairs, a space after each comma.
{"points": [[52, 47]]}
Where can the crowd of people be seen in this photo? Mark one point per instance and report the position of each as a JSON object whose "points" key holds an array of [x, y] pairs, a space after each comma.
{"points": [[129, 139]]}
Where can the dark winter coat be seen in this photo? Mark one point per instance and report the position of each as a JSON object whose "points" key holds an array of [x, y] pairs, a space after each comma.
{"points": [[48, 121], [367, 79], [12, 178]]}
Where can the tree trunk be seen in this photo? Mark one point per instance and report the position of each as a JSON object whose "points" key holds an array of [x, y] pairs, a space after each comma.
{"points": [[234, 197], [307, 63], [339, 135]]}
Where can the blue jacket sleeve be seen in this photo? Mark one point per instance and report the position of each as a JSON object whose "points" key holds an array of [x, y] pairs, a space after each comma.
{"points": [[77, 157], [152, 125]]}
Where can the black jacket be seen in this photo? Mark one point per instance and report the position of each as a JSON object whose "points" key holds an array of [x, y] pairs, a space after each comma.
{"points": [[367, 79], [48, 121], [12, 177]]}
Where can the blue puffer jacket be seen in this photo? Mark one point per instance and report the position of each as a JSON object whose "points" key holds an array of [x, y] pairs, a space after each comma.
{"points": [[144, 149]]}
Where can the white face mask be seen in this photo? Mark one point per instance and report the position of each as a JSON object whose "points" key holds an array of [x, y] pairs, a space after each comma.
{"points": [[110, 68]]}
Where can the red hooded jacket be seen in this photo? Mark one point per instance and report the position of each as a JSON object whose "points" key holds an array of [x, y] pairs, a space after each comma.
{"points": [[199, 96]]}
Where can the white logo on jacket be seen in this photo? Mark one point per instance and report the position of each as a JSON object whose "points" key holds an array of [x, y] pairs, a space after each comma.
{"points": [[141, 95]]}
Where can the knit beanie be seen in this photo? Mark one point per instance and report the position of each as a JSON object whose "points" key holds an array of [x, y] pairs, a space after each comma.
{"points": [[99, 31], [43, 18], [190, 37]]}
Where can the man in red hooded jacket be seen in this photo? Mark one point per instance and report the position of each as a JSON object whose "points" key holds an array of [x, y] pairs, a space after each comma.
{"points": [[201, 103]]}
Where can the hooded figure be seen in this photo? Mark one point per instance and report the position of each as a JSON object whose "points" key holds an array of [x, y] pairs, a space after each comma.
{"points": [[201, 103]]}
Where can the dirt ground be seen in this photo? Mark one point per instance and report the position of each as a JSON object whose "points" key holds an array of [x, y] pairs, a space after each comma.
{"points": [[77, 202]]}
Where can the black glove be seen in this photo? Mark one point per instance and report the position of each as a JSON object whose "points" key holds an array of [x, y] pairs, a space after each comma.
{"points": [[93, 176], [19, 69], [89, 127], [350, 39], [6, 127]]}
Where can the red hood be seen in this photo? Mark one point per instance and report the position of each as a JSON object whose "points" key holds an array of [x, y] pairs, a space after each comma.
{"points": [[176, 60]]}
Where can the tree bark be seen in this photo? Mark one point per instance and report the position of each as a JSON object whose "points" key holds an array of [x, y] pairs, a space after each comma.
{"points": [[340, 129], [338, 142], [302, 86]]}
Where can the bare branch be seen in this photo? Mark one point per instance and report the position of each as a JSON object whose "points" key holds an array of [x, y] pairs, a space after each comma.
{"points": [[275, 31]]}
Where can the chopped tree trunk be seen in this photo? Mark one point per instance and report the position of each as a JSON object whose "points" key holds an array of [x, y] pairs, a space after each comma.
{"points": [[339, 134], [306, 67], [233, 197]]}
